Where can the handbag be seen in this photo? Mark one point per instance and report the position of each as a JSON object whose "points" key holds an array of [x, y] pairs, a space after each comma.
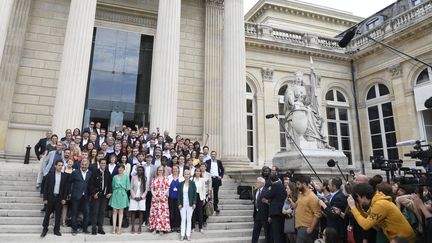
{"points": [[289, 225], [350, 234], [209, 209]]}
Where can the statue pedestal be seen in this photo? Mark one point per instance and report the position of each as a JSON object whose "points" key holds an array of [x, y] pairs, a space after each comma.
{"points": [[292, 160]]}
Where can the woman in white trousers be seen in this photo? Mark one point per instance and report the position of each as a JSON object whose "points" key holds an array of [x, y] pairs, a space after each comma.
{"points": [[187, 202]]}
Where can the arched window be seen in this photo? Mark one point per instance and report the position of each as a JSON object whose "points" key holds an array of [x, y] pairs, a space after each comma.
{"points": [[251, 126], [338, 123], [282, 138], [422, 91], [381, 123]]}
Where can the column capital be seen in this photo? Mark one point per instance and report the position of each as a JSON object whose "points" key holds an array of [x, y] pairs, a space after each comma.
{"points": [[396, 70], [215, 3], [267, 74]]}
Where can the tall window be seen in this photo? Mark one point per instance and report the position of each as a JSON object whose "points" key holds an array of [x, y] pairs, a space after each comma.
{"points": [[338, 123], [381, 124], [250, 118], [422, 89], [282, 138]]}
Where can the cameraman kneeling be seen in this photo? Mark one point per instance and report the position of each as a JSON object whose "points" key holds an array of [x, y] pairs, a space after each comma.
{"points": [[383, 213]]}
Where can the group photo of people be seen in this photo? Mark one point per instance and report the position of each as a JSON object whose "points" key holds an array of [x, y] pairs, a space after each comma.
{"points": [[292, 208], [128, 178]]}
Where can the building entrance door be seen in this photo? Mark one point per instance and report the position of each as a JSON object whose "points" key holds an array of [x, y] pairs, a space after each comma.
{"points": [[119, 81]]}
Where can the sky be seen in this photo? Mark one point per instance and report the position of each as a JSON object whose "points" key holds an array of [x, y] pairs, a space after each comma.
{"points": [[363, 8]]}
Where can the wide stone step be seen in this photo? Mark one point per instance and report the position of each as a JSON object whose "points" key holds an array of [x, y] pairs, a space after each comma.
{"points": [[236, 206], [20, 221], [236, 212], [20, 213], [17, 183], [235, 201], [25, 188], [232, 225], [227, 219], [18, 178], [208, 233], [20, 200], [28, 206], [19, 194], [125, 238]]}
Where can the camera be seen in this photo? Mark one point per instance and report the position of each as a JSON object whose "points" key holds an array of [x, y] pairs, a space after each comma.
{"points": [[424, 155], [379, 163]]}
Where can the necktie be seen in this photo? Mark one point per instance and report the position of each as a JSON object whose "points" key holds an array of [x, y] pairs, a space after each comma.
{"points": [[258, 197]]}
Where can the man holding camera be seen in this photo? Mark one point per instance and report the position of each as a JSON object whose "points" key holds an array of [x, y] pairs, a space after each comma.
{"points": [[383, 213], [100, 191]]}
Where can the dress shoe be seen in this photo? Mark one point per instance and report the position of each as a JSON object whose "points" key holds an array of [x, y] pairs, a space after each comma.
{"points": [[86, 231], [44, 232], [74, 232], [57, 233], [43, 209], [101, 231], [94, 232]]}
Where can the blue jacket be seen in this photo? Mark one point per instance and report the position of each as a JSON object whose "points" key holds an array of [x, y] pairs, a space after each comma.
{"points": [[79, 186]]}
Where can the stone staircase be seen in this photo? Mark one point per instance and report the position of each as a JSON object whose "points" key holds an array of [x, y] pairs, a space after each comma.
{"points": [[21, 219]]}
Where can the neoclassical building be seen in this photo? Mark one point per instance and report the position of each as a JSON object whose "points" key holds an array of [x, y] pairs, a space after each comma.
{"points": [[201, 69]]}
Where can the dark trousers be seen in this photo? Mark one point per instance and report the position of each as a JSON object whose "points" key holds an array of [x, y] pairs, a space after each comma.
{"points": [[216, 184], [277, 228], [148, 206], [198, 213], [98, 212], [53, 205], [304, 237], [82, 204], [174, 213], [258, 224]]}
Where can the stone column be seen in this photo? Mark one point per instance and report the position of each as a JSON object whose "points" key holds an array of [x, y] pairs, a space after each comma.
{"points": [[165, 68], [234, 145], [5, 13], [10, 59], [73, 77], [213, 73]]}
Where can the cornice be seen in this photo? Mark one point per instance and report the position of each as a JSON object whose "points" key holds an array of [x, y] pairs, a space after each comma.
{"points": [[126, 15], [301, 12]]}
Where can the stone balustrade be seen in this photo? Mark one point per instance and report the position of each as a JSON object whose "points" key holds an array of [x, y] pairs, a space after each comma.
{"points": [[391, 26], [259, 31]]}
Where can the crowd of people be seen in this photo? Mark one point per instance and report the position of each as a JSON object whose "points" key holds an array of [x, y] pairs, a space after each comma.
{"points": [[291, 208], [127, 175]]}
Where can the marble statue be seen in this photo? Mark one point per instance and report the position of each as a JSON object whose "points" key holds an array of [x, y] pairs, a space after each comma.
{"points": [[302, 117]]}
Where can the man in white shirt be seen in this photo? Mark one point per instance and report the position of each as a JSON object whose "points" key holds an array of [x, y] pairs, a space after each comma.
{"points": [[206, 153], [216, 170], [149, 172], [157, 157]]}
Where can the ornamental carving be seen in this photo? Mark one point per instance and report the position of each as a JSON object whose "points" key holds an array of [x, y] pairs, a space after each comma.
{"points": [[395, 70], [267, 74], [215, 3], [126, 18]]}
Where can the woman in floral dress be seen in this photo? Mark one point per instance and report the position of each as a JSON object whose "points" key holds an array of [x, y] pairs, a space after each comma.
{"points": [[159, 220]]}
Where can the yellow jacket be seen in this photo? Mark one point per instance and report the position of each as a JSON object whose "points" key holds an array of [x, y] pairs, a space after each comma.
{"points": [[384, 214]]}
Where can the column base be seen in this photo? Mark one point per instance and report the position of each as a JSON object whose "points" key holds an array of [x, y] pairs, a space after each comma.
{"points": [[236, 163]]}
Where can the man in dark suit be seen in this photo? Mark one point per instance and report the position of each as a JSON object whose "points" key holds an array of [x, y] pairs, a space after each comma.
{"points": [[54, 197], [100, 191], [276, 197], [216, 170], [90, 128], [80, 180], [337, 204], [40, 147], [261, 212]]}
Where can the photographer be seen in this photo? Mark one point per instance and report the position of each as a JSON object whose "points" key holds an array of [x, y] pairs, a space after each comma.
{"points": [[383, 213]]}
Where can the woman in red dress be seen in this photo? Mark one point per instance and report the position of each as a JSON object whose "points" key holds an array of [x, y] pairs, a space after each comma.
{"points": [[159, 220]]}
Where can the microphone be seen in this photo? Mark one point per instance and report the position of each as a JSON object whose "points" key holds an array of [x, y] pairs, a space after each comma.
{"points": [[408, 142], [428, 103], [331, 163], [348, 37], [269, 116]]}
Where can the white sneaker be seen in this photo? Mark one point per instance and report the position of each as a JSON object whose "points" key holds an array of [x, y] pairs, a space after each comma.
{"points": [[201, 231]]}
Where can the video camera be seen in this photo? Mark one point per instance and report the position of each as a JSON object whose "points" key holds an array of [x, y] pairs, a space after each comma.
{"points": [[379, 163], [424, 155]]}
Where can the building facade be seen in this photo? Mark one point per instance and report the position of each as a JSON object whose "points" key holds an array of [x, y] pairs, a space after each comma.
{"points": [[205, 71]]}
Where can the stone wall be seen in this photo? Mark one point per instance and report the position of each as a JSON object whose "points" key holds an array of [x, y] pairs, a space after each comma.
{"points": [[191, 70], [35, 89]]}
